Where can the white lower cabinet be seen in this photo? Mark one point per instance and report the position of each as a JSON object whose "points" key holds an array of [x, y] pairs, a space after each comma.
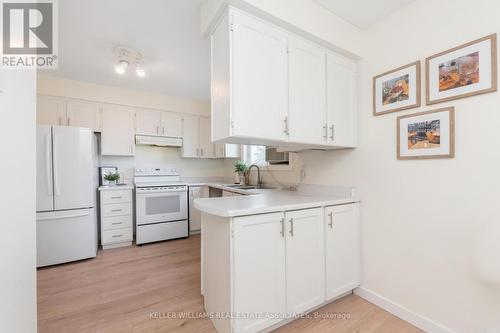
{"points": [[342, 249], [305, 264], [116, 216], [266, 269], [259, 270]]}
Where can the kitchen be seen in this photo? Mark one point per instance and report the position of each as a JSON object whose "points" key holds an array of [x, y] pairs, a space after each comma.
{"points": [[244, 166]]}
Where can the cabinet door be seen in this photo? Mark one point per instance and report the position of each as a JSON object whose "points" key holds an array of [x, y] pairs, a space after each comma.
{"points": [[148, 122], [342, 248], [259, 269], [190, 136], [194, 214], [50, 110], [220, 150], [206, 145], [341, 101], [171, 124], [305, 259], [259, 79], [84, 114], [117, 136], [307, 82]]}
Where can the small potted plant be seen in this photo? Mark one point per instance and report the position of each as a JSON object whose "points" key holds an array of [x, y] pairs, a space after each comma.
{"points": [[112, 178], [240, 168]]}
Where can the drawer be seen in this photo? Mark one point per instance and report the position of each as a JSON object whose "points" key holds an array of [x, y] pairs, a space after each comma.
{"points": [[116, 222], [116, 196], [116, 236], [119, 209]]}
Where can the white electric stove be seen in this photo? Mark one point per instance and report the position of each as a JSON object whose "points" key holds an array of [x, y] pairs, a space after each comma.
{"points": [[161, 205]]}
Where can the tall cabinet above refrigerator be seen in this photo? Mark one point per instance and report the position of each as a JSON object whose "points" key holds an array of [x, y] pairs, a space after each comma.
{"points": [[66, 194]]}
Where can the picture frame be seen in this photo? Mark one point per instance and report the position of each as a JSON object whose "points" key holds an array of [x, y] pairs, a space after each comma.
{"points": [[398, 89], [103, 171], [425, 135], [466, 70]]}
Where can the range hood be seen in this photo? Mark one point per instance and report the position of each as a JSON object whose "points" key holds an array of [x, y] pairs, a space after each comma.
{"points": [[160, 141]]}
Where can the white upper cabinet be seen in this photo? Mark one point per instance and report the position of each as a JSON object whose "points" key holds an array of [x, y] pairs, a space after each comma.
{"points": [[307, 82], [272, 87], [118, 130], [84, 114], [190, 136], [148, 122], [342, 249], [158, 123], [341, 101], [206, 146], [50, 110], [258, 79], [171, 124]]}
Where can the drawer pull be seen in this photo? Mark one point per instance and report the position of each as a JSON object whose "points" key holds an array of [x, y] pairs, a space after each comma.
{"points": [[116, 223], [116, 236], [116, 210], [116, 197]]}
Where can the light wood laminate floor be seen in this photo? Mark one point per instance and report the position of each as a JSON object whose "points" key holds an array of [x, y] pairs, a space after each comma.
{"points": [[123, 290]]}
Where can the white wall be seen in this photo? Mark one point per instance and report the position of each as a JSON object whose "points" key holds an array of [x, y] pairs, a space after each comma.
{"points": [[431, 231], [17, 197], [145, 156], [55, 86]]}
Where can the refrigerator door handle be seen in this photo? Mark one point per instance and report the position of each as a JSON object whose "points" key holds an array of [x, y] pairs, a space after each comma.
{"points": [[47, 164], [51, 218], [54, 152]]}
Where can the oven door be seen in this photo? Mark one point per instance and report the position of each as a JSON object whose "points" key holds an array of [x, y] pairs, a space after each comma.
{"points": [[160, 206]]}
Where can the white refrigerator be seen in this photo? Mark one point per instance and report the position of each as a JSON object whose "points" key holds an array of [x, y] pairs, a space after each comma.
{"points": [[66, 194]]}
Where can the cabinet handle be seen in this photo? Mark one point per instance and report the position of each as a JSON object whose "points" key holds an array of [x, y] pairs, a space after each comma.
{"points": [[59, 120], [116, 197], [282, 232], [332, 130], [116, 223], [287, 130], [325, 128], [197, 151], [68, 121], [291, 227], [157, 129], [331, 220], [116, 210], [163, 130], [201, 151], [116, 236]]}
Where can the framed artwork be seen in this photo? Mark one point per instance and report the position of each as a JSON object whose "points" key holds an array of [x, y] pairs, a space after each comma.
{"points": [[428, 134], [397, 90], [103, 171], [466, 70]]}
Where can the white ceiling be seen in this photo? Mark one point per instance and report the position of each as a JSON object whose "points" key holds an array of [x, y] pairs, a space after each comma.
{"points": [[166, 32], [363, 13]]}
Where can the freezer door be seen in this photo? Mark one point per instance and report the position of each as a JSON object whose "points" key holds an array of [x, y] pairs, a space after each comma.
{"points": [[73, 167], [65, 236], [44, 185]]}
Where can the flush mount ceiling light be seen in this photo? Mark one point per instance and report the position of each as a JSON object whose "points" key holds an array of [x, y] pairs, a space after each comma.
{"points": [[127, 57]]}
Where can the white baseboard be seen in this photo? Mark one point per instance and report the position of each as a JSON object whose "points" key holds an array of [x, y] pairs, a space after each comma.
{"points": [[413, 318]]}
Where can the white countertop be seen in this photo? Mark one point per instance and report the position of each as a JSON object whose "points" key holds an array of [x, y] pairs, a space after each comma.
{"points": [[115, 187], [266, 201]]}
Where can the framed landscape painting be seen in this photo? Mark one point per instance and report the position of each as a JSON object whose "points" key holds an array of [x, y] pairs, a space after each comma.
{"points": [[397, 90], [463, 71], [428, 134]]}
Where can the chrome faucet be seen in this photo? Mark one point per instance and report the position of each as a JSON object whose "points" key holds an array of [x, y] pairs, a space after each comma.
{"points": [[259, 180]]}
